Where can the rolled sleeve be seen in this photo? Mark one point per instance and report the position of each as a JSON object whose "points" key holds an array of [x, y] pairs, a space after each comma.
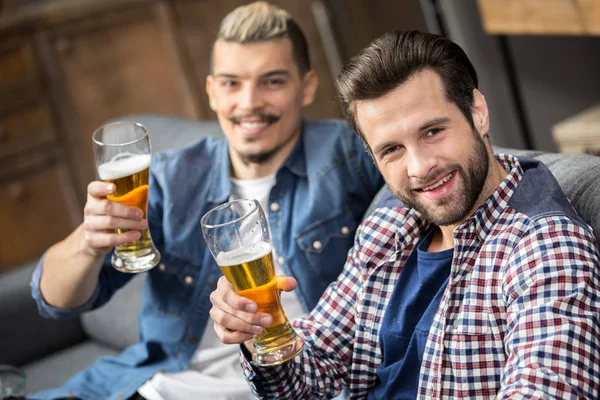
{"points": [[48, 310]]}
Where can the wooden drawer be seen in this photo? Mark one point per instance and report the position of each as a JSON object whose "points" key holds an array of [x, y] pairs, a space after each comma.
{"points": [[16, 63], [37, 209], [24, 128]]}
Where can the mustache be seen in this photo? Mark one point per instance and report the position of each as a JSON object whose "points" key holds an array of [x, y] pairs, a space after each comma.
{"points": [[263, 117], [434, 176]]}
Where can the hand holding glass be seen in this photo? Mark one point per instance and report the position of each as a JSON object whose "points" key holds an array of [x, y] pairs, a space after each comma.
{"points": [[123, 152], [237, 234]]}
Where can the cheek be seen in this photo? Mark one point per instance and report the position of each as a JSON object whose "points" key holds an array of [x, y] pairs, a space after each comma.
{"points": [[394, 174]]}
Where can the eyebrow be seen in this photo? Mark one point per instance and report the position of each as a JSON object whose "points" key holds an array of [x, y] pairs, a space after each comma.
{"points": [[433, 122], [277, 72]]}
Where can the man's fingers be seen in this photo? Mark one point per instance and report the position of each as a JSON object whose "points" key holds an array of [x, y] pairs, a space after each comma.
{"points": [[103, 222], [100, 189], [233, 323], [286, 283], [229, 337], [108, 207], [100, 240], [230, 307]]}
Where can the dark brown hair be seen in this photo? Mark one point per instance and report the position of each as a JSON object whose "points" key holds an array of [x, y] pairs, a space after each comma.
{"points": [[393, 58]]}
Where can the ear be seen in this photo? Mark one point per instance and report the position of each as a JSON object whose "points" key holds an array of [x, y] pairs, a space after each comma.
{"points": [[481, 117], [310, 85], [210, 92]]}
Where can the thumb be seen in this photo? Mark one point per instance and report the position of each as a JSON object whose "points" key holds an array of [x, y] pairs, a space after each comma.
{"points": [[286, 283]]}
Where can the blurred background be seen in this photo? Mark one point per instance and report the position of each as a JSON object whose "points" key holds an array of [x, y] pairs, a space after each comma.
{"points": [[67, 66]]}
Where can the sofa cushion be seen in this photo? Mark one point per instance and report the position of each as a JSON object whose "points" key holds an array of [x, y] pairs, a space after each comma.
{"points": [[115, 324], [171, 132], [54, 370], [20, 321]]}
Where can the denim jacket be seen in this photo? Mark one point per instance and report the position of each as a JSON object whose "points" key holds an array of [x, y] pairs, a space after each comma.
{"points": [[320, 195]]}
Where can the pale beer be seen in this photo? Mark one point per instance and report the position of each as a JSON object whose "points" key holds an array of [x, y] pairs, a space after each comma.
{"points": [[129, 173], [252, 273]]}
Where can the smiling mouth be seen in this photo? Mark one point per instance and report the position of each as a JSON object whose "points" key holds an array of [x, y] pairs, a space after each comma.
{"points": [[253, 125], [437, 184]]}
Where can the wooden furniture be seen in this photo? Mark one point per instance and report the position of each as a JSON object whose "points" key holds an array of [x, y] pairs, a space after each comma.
{"points": [[67, 66], [579, 133], [540, 17]]}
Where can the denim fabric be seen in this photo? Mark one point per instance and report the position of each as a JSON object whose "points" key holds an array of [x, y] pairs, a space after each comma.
{"points": [[318, 200]]}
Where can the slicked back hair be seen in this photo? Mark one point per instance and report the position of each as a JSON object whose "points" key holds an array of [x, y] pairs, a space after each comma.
{"points": [[390, 60]]}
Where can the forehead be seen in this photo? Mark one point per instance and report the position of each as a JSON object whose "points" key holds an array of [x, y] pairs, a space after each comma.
{"points": [[406, 107], [250, 59]]}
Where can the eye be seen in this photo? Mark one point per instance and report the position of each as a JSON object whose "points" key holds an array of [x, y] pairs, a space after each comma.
{"points": [[389, 150], [433, 132], [274, 82], [229, 83]]}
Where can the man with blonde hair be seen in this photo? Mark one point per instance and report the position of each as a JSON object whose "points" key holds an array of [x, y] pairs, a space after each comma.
{"points": [[312, 177]]}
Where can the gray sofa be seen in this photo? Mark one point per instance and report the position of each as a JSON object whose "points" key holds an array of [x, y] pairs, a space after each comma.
{"points": [[49, 351]]}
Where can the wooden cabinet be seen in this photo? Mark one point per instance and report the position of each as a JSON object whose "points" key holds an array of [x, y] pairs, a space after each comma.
{"points": [[114, 64], [37, 208]]}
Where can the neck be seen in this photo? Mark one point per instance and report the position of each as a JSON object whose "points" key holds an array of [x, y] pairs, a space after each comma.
{"points": [[240, 169], [444, 235]]}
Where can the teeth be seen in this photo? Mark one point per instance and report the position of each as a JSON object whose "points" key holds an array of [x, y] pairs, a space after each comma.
{"points": [[253, 125], [438, 184]]}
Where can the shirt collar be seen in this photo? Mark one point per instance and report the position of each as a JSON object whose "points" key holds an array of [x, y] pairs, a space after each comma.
{"points": [[296, 162]]}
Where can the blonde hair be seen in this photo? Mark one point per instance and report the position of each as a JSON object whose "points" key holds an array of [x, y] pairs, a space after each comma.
{"points": [[262, 21], [254, 22]]}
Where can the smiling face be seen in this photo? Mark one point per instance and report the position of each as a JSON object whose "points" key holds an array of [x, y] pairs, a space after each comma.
{"points": [[258, 94], [430, 156]]}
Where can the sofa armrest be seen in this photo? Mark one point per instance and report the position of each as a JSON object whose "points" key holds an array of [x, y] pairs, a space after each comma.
{"points": [[25, 335]]}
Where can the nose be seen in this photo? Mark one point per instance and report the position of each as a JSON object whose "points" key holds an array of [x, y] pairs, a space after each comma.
{"points": [[419, 163], [250, 98]]}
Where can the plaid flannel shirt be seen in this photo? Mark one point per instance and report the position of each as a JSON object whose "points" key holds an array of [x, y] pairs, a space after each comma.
{"points": [[519, 317]]}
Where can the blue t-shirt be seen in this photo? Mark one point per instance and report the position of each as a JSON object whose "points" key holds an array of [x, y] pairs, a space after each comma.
{"points": [[407, 321]]}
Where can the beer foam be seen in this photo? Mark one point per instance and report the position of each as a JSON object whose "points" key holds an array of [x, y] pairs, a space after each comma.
{"points": [[122, 165], [244, 255]]}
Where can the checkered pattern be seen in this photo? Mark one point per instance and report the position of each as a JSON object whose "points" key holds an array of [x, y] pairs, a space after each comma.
{"points": [[519, 318]]}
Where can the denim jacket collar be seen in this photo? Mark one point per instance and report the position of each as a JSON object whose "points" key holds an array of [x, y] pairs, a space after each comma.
{"points": [[220, 176]]}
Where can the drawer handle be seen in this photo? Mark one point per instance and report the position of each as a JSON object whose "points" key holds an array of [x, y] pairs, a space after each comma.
{"points": [[16, 191]]}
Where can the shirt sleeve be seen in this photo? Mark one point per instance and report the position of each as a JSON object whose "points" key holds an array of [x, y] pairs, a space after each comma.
{"points": [[49, 311], [109, 279], [321, 370], [552, 289]]}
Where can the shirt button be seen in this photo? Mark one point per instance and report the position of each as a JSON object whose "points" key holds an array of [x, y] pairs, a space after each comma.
{"points": [[280, 260], [162, 267], [345, 230], [317, 245], [189, 280], [193, 339], [212, 284], [274, 207]]}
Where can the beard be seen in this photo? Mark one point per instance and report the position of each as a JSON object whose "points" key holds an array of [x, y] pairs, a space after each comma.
{"points": [[263, 156], [453, 209]]}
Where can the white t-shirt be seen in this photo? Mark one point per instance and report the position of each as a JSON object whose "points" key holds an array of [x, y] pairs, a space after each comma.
{"points": [[214, 371]]}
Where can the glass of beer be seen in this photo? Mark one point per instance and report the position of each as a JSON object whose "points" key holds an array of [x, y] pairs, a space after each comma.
{"points": [[238, 236], [123, 152]]}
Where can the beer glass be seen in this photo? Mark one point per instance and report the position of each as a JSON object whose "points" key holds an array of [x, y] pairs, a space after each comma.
{"points": [[122, 151], [237, 234]]}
